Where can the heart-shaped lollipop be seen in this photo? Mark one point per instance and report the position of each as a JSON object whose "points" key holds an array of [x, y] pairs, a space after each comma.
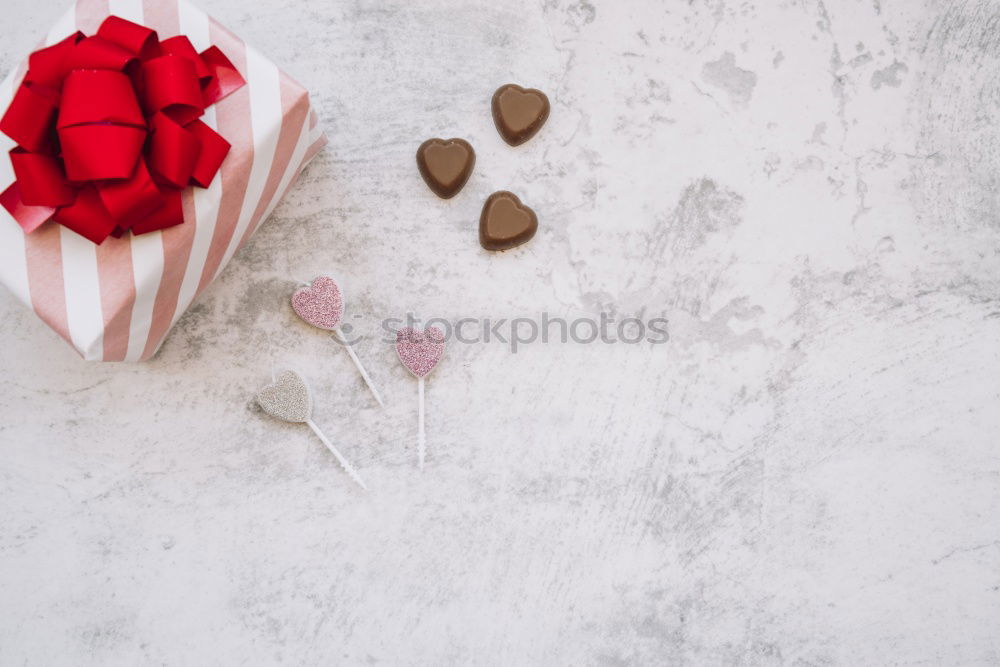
{"points": [[420, 352], [289, 399], [321, 304]]}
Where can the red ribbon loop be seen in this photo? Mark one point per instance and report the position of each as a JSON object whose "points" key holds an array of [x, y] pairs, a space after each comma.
{"points": [[99, 96], [213, 151], [173, 151], [99, 53], [169, 213], [108, 132], [172, 86], [87, 215], [97, 152], [49, 66], [134, 38], [181, 46], [29, 117], [42, 179], [131, 199], [225, 80]]}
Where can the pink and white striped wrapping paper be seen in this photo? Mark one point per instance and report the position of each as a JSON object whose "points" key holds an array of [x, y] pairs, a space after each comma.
{"points": [[118, 300]]}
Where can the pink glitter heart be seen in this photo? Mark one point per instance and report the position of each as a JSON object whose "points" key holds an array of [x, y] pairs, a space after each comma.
{"points": [[320, 304], [420, 351]]}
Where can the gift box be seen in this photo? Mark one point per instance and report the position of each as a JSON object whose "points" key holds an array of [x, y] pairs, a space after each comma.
{"points": [[142, 162]]}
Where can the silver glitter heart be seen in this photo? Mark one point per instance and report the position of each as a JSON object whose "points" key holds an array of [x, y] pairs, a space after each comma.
{"points": [[287, 398]]}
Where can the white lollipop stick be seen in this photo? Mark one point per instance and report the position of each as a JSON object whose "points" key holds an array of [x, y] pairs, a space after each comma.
{"points": [[420, 352], [357, 363], [289, 399], [321, 304], [421, 435], [348, 468]]}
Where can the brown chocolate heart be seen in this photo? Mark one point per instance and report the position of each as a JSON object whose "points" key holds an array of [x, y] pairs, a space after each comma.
{"points": [[445, 165], [505, 222], [519, 113]]}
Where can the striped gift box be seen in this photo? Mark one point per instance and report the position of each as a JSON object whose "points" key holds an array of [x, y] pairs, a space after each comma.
{"points": [[117, 301]]}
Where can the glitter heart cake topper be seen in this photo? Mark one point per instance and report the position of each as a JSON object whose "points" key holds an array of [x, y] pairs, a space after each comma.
{"points": [[289, 399], [321, 304], [420, 352]]}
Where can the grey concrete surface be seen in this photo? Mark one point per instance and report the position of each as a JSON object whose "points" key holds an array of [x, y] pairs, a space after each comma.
{"points": [[806, 473]]}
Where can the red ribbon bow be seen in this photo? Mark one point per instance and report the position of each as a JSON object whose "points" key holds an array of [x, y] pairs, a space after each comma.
{"points": [[108, 132]]}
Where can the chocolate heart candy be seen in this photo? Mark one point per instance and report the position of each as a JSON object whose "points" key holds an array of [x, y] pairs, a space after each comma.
{"points": [[519, 113], [505, 222], [446, 165]]}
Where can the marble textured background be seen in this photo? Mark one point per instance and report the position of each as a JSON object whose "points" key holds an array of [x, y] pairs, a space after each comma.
{"points": [[808, 473]]}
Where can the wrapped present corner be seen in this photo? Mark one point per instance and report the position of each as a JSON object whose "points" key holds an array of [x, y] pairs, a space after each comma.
{"points": [[140, 147]]}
